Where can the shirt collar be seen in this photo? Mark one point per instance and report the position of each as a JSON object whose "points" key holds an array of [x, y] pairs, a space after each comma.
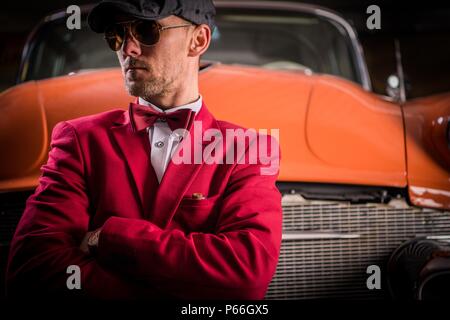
{"points": [[194, 106]]}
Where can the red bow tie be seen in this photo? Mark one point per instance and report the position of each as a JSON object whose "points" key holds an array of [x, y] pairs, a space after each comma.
{"points": [[144, 116]]}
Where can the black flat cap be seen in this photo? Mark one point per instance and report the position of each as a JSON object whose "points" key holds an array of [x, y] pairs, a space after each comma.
{"points": [[195, 11]]}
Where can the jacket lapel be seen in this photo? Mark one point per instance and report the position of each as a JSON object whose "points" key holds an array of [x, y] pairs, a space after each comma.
{"points": [[178, 177], [135, 149]]}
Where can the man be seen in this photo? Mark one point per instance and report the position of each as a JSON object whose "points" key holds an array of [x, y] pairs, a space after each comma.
{"points": [[113, 205]]}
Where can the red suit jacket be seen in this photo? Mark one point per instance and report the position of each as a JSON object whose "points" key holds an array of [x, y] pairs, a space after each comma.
{"points": [[157, 241]]}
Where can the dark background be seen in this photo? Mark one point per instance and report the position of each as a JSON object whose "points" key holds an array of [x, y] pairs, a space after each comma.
{"points": [[423, 31]]}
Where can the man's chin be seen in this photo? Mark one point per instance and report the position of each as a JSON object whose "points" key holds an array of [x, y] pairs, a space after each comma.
{"points": [[142, 88], [134, 88]]}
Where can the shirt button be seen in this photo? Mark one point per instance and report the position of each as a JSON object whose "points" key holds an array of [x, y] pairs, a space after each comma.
{"points": [[159, 144], [162, 119]]}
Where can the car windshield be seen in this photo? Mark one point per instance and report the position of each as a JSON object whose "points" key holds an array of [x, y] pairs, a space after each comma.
{"points": [[270, 39]]}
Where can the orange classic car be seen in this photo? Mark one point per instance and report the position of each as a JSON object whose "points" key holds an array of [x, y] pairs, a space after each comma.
{"points": [[365, 178]]}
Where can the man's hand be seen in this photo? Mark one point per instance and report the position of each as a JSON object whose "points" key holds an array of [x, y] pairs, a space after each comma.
{"points": [[90, 240]]}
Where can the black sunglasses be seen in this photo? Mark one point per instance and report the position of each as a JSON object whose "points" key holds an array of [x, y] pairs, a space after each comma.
{"points": [[147, 32]]}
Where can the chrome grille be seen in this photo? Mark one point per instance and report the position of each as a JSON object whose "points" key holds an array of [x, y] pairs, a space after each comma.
{"points": [[327, 246]]}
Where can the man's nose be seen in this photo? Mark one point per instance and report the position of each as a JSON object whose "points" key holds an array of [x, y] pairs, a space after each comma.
{"points": [[131, 47]]}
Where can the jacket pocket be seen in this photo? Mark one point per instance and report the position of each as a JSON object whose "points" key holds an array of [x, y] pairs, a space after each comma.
{"points": [[188, 201], [198, 215]]}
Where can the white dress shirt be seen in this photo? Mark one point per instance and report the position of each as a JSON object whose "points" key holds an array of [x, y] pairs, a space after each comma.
{"points": [[163, 141]]}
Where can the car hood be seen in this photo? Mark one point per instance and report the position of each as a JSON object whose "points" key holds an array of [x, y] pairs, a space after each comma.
{"points": [[330, 130]]}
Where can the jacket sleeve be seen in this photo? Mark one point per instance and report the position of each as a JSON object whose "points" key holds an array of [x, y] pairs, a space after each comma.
{"points": [[55, 220], [237, 261]]}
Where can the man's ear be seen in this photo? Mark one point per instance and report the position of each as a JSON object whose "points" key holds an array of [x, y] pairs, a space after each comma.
{"points": [[200, 40]]}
